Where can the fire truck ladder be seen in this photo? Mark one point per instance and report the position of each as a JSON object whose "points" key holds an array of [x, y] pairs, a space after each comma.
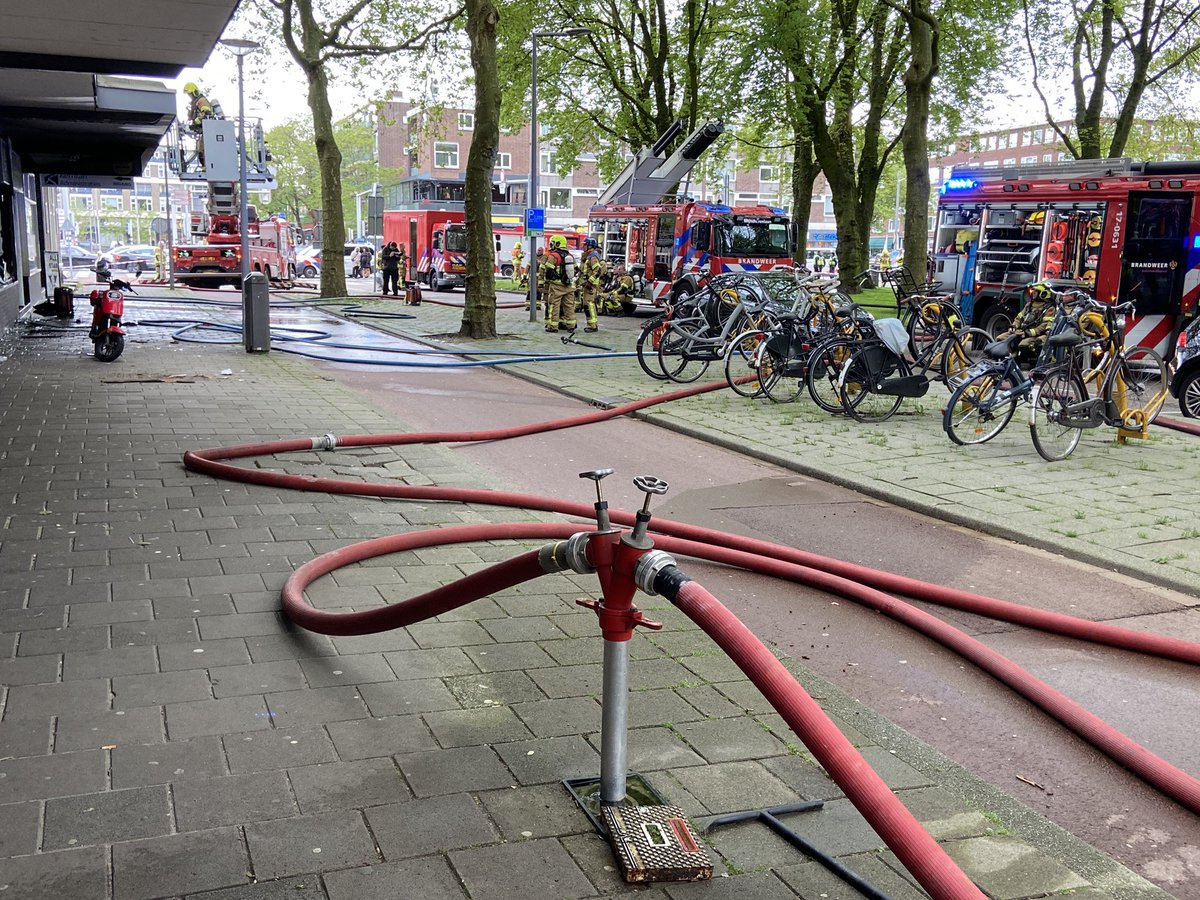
{"points": [[650, 175]]}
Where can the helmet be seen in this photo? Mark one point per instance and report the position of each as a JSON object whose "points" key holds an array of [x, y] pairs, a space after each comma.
{"points": [[190, 88], [516, 245], [1039, 291], [590, 242], [558, 242]]}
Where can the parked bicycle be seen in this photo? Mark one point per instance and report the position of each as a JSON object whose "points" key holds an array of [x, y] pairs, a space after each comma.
{"points": [[1100, 383]]}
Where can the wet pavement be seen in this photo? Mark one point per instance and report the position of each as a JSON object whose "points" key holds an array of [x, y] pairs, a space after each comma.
{"points": [[166, 734]]}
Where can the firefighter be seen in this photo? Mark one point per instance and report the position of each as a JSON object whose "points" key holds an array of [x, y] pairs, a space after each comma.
{"points": [[559, 267], [885, 259], [1033, 322], [518, 263], [591, 276], [199, 109], [614, 301], [160, 261]]}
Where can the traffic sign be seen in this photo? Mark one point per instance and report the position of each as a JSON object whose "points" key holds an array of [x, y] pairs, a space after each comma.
{"points": [[535, 219], [121, 182]]}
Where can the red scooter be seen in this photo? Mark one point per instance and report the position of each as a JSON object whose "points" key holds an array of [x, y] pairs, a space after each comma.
{"points": [[108, 305]]}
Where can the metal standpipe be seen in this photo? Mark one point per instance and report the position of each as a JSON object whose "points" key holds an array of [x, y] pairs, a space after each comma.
{"points": [[256, 312], [614, 715]]}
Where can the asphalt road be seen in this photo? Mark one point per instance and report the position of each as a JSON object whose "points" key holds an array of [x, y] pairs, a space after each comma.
{"points": [[905, 677]]}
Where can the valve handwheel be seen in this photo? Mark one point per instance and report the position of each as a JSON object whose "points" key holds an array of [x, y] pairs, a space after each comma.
{"points": [[649, 484], [596, 474]]}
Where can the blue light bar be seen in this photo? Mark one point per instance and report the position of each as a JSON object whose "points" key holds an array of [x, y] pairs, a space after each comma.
{"points": [[958, 184], [1196, 242]]}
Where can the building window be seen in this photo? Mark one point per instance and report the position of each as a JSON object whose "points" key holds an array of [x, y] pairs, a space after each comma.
{"points": [[827, 202], [466, 121], [991, 164], [547, 166], [587, 192], [1047, 157], [445, 155], [560, 198], [768, 174], [1028, 159], [503, 160]]}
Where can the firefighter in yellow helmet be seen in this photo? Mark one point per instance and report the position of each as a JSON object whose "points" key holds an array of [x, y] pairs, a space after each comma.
{"points": [[199, 109], [559, 267], [518, 263], [1034, 320]]}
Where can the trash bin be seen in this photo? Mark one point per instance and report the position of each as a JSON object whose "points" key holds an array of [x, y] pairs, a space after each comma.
{"points": [[256, 313]]}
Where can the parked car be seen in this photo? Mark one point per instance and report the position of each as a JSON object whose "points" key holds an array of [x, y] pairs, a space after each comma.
{"points": [[1184, 370], [72, 256], [136, 258], [308, 261]]}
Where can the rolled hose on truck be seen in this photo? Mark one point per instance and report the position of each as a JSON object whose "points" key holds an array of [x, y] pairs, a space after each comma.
{"points": [[916, 850]]}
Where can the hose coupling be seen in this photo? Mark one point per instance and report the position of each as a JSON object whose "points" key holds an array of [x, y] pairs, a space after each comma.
{"points": [[553, 557], [647, 568], [576, 553], [325, 442]]}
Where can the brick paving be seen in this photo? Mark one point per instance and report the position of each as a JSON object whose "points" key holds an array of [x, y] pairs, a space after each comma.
{"points": [[165, 733]]}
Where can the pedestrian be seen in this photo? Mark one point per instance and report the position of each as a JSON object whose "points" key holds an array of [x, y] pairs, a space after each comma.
{"points": [[389, 262], [559, 267], [591, 274], [364, 262]]}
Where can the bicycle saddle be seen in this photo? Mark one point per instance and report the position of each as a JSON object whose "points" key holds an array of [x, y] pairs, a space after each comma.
{"points": [[844, 312], [1003, 348], [1068, 338]]}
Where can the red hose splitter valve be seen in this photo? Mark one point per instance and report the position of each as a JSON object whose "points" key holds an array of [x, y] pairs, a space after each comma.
{"points": [[623, 562]]}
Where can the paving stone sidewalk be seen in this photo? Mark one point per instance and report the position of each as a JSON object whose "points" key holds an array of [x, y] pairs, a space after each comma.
{"points": [[1128, 507], [165, 733]]}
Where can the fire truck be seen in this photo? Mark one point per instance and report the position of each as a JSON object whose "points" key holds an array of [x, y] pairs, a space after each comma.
{"points": [[434, 242], [670, 243], [218, 260], [506, 234], [1122, 229]]}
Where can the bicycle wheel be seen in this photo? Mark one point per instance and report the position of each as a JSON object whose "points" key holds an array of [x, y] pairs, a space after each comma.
{"points": [[1052, 439], [823, 368], [647, 347], [1144, 375], [778, 386], [673, 358], [925, 325], [974, 415], [961, 351], [861, 379], [741, 360]]}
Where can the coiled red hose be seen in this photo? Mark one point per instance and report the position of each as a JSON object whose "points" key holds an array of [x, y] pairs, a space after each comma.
{"points": [[855, 582]]}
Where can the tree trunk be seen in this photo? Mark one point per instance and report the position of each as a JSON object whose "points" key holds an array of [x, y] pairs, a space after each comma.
{"points": [[329, 160], [479, 311], [804, 173], [918, 86]]}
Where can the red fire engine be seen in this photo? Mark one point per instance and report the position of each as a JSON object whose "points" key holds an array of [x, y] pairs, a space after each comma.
{"points": [[1125, 230], [673, 244], [434, 242], [506, 234], [272, 252]]}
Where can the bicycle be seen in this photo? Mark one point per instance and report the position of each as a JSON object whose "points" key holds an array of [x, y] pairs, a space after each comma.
{"points": [[983, 404], [1130, 385], [874, 381]]}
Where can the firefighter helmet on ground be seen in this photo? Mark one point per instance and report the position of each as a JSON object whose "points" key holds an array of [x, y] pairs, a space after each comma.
{"points": [[1039, 291], [558, 242]]}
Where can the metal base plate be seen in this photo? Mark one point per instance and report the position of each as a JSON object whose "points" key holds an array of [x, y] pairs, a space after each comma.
{"points": [[655, 843], [586, 791]]}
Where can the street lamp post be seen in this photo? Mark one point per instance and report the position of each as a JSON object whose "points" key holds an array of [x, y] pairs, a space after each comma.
{"points": [[534, 161], [241, 49]]}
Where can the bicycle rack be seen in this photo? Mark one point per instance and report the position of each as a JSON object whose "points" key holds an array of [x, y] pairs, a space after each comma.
{"points": [[652, 840]]}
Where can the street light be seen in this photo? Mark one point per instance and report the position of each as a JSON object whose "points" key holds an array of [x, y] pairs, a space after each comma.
{"points": [[534, 161], [241, 49]]}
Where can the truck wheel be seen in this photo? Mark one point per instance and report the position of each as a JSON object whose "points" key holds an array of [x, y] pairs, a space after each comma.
{"points": [[998, 320], [506, 271]]}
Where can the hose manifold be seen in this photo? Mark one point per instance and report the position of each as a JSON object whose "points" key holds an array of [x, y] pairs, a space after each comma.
{"points": [[648, 567], [325, 442]]}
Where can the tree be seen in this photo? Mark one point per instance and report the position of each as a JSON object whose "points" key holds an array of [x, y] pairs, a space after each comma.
{"points": [[297, 175], [322, 34], [1118, 52], [479, 310]]}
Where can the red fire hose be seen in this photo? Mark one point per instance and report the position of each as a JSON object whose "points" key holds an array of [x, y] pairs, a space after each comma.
{"points": [[855, 582]]}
